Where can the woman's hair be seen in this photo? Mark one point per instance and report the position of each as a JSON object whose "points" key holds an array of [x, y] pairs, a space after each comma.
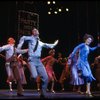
{"points": [[51, 51], [86, 36]]}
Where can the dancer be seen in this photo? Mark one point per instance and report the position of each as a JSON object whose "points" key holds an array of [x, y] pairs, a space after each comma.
{"points": [[38, 82], [62, 64], [96, 70], [35, 65], [75, 79], [12, 63], [49, 61], [8, 81], [21, 64], [82, 63], [65, 72]]}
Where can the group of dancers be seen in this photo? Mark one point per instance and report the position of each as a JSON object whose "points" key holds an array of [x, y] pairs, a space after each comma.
{"points": [[41, 70]]}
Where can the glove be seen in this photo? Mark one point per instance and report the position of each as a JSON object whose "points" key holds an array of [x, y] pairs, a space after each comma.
{"points": [[56, 42]]}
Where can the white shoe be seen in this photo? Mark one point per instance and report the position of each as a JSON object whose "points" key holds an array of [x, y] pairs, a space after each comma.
{"points": [[11, 90], [89, 94], [38, 89], [52, 91], [62, 89]]}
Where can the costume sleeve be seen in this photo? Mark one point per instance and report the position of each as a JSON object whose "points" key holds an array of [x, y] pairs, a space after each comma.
{"points": [[47, 45], [21, 41], [76, 49], [21, 51], [93, 48], [5, 47]]}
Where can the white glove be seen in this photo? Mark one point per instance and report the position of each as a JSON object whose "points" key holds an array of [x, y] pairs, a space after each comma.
{"points": [[56, 42]]}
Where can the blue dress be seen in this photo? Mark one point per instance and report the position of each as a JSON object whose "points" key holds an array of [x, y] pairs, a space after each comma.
{"points": [[82, 62], [74, 77]]}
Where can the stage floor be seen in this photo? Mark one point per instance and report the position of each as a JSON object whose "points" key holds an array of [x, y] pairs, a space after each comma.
{"points": [[33, 94]]}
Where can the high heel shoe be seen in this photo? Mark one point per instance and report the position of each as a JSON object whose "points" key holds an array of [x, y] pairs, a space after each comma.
{"points": [[38, 89], [11, 90], [89, 94], [52, 91]]}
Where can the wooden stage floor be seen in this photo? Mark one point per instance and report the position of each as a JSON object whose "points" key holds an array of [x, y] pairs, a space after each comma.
{"points": [[33, 94]]}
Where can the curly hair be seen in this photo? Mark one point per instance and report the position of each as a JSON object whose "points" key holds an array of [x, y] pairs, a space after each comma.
{"points": [[86, 36]]}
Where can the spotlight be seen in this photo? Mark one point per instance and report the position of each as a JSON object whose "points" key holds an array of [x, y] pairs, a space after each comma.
{"points": [[55, 12], [67, 9], [49, 12], [59, 10], [48, 2], [53, 2]]}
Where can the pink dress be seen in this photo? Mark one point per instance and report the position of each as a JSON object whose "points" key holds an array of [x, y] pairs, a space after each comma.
{"points": [[49, 62]]}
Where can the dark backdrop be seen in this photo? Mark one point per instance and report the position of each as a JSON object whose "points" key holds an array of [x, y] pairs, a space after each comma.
{"points": [[69, 27]]}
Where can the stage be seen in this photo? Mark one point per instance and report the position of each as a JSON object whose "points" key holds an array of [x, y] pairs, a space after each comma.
{"points": [[33, 94]]}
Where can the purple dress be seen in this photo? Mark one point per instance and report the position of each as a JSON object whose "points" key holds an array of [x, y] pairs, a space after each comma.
{"points": [[75, 79]]}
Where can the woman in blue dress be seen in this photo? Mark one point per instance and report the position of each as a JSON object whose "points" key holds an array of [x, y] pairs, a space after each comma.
{"points": [[82, 62], [75, 79]]}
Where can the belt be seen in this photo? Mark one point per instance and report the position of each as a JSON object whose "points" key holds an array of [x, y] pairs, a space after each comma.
{"points": [[30, 59], [35, 57]]}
